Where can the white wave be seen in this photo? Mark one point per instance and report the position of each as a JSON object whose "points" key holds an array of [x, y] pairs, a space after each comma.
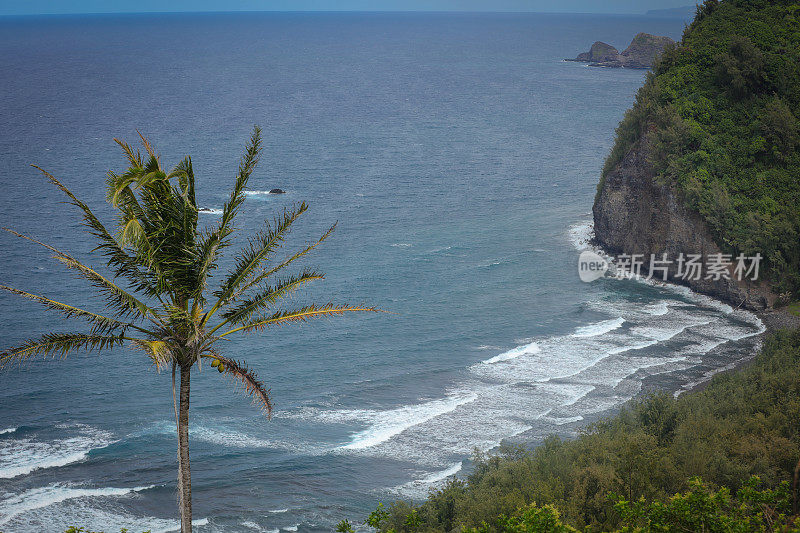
{"points": [[659, 309], [581, 234], [664, 334], [20, 457], [252, 525], [210, 211], [451, 470], [632, 348], [420, 487], [395, 421], [39, 498], [531, 348], [560, 421], [259, 193], [707, 376], [487, 347], [600, 328], [290, 528], [231, 439], [95, 512], [402, 245], [7, 431], [175, 525], [276, 511]]}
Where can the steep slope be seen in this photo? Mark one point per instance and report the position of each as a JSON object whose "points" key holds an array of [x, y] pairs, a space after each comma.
{"points": [[707, 159]]}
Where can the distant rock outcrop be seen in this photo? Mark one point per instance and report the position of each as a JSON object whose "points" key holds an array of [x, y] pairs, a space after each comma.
{"points": [[598, 53], [641, 53], [277, 191]]}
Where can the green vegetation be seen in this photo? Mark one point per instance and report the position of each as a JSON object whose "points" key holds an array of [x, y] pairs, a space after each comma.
{"points": [[158, 300], [623, 473], [721, 115]]}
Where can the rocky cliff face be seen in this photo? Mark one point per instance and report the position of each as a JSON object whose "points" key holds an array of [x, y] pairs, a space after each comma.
{"points": [[635, 215]]}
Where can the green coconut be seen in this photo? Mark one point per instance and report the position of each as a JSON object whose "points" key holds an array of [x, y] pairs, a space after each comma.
{"points": [[214, 363]]}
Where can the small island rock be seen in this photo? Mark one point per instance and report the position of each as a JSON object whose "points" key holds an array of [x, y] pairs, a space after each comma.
{"points": [[277, 191], [641, 53], [599, 52]]}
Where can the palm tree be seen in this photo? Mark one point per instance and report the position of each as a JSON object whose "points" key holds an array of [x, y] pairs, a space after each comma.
{"points": [[158, 299]]}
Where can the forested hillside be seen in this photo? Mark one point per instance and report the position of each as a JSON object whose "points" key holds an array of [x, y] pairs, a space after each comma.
{"points": [[720, 110]]}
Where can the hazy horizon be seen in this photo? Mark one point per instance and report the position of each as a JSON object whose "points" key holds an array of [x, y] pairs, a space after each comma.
{"points": [[86, 7]]}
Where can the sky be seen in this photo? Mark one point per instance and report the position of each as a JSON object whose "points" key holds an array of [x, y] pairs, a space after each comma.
{"points": [[35, 7]]}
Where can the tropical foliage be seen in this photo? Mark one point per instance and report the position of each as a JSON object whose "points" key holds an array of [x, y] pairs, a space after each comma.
{"points": [[159, 299], [720, 113]]}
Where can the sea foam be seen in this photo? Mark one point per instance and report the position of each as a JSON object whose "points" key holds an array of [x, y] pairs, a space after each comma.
{"points": [[39, 498], [600, 328], [530, 348], [19, 457], [395, 421]]}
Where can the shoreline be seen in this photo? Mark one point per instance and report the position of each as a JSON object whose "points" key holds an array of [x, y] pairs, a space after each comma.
{"points": [[772, 319]]}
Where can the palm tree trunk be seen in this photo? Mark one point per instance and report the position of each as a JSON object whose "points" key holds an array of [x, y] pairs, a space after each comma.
{"points": [[184, 473]]}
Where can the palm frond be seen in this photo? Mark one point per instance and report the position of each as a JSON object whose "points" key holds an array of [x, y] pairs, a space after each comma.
{"points": [[62, 344], [100, 324], [185, 174], [258, 250], [244, 376], [158, 352], [123, 264], [266, 298], [216, 240], [148, 148], [283, 264], [134, 158], [299, 315], [124, 303]]}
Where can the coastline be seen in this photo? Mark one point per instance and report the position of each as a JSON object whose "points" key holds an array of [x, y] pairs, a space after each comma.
{"points": [[771, 319]]}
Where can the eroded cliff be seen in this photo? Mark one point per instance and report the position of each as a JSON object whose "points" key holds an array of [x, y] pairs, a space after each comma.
{"points": [[634, 214]]}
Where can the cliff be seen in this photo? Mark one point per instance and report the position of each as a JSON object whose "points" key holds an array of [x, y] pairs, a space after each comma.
{"points": [[634, 214]]}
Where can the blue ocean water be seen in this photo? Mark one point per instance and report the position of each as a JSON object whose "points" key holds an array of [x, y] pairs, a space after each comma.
{"points": [[460, 156]]}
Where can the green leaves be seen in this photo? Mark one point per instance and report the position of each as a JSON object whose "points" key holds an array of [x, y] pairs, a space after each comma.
{"points": [[269, 296], [216, 240], [160, 253], [59, 344], [302, 314], [259, 248], [100, 323], [119, 300]]}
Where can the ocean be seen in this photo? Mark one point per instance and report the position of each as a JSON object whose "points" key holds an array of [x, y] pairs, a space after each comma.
{"points": [[460, 156]]}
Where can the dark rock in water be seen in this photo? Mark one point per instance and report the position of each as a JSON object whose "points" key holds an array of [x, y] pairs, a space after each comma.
{"points": [[641, 53], [277, 191], [599, 52]]}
